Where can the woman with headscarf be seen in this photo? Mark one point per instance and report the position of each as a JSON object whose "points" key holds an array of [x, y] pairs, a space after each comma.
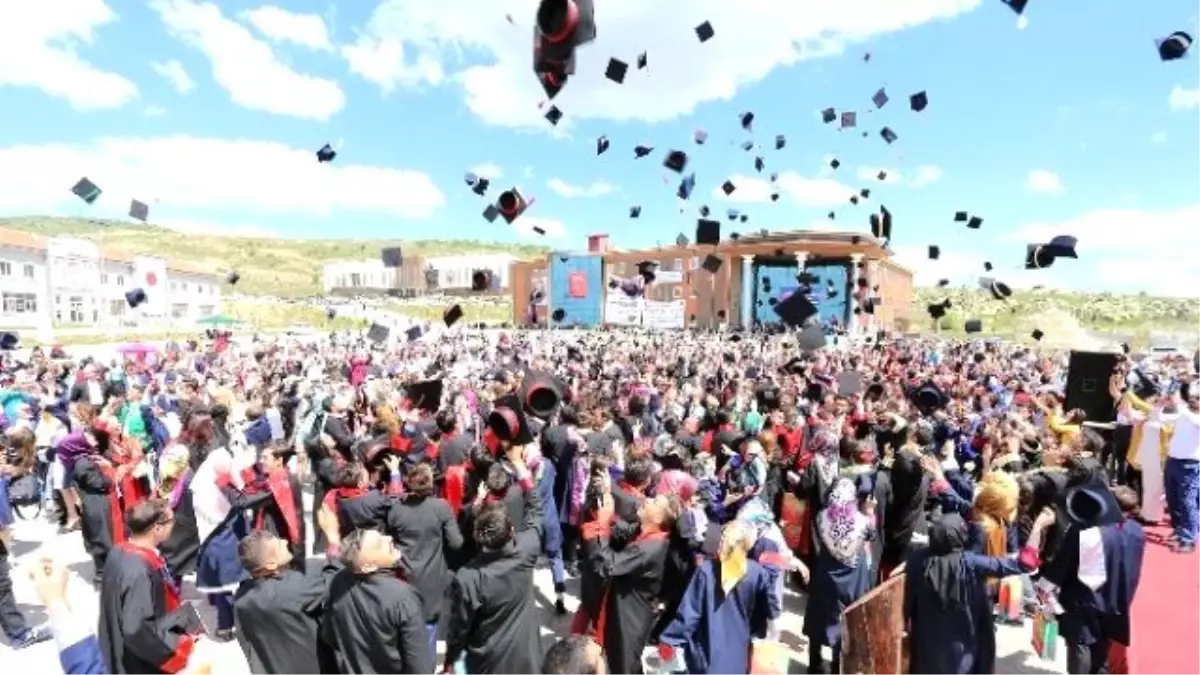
{"points": [[841, 573], [816, 481], [946, 604], [728, 602], [693, 537]]}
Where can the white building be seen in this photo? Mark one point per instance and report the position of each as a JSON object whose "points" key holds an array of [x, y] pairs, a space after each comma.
{"points": [[64, 282], [454, 272]]}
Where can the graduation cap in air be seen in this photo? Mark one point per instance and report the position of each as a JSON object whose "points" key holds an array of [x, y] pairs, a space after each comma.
{"points": [[232, 278], [774, 196], [747, 119], [1174, 46], [795, 310], [560, 28], [705, 32], [1091, 503], [470, 178], [509, 205], [998, 289], [135, 297], [882, 175], [888, 135], [759, 164], [711, 264], [942, 283], [635, 211], [558, 315], [508, 422], [929, 397], [828, 115], [378, 333], [138, 210], [728, 187], [646, 270], [451, 315], [973, 326], [834, 163], [330, 314], [700, 136], [425, 395], [601, 145], [87, 191], [616, 70], [1037, 335], [481, 280], [854, 199], [918, 101], [326, 154], [974, 223], [681, 241], [960, 216], [881, 224], [708, 232], [686, 186], [553, 115], [864, 193], [732, 214], [676, 161], [1062, 246], [641, 151], [748, 146], [937, 310], [780, 141], [481, 186], [934, 252], [745, 218], [9, 341], [849, 120], [811, 338], [880, 98], [642, 60], [392, 256], [704, 210], [413, 333]]}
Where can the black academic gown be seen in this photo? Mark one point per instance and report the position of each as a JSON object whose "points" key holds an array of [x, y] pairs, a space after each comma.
{"points": [[425, 528], [100, 512], [493, 616], [273, 515], [634, 576], [141, 630], [373, 623], [278, 622], [182, 549]]}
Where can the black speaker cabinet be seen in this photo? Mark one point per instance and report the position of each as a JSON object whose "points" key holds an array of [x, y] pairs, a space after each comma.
{"points": [[1088, 374]]}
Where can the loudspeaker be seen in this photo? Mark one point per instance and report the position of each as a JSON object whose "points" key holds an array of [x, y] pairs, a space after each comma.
{"points": [[1088, 374]]}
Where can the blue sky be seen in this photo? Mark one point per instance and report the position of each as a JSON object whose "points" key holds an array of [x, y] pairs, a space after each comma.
{"points": [[1065, 124]]}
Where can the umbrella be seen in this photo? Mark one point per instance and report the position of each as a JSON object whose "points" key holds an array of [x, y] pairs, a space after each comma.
{"points": [[137, 348], [218, 320]]}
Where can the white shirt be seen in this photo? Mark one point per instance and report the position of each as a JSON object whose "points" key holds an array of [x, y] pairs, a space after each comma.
{"points": [[1185, 442]]}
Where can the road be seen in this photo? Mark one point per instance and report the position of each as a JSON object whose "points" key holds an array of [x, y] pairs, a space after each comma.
{"points": [[37, 539]]}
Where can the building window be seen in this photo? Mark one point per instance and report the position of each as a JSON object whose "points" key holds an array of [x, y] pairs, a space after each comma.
{"points": [[77, 315], [20, 303], [5, 268], [28, 271], [179, 311], [355, 280], [116, 307], [120, 279], [183, 286], [174, 286], [104, 278], [207, 310], [676, 292]]}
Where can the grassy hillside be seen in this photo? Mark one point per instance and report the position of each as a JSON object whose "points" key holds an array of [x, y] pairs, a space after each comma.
{"points": [[284, 267]]}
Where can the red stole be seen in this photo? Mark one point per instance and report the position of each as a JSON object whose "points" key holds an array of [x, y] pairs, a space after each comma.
{"points": [[280, 485], [706, 445], [333, 496], [491, 442], [454, 489], [116, 515], [602, 619], [178, 659]]}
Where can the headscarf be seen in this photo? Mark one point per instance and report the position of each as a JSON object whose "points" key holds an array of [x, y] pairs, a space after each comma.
{"points": [[736, 541], [842, 527], [943, 571], [824, 448], [678, 483], [995, 508]]}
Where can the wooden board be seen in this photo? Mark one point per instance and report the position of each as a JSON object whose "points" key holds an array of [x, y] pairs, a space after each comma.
{"points": [[873, 631]]}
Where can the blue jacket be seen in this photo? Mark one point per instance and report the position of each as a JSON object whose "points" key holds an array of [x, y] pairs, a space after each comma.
{"points": [[82, 658]]}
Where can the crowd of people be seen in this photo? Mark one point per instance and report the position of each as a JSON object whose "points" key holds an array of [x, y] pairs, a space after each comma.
{"points": [[668, 472]]}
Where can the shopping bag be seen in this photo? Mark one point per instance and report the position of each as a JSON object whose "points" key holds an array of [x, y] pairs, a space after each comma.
{"points": [[793, 517], [1010, 600], [1045, 635], [769, 657], [1118, 659]]}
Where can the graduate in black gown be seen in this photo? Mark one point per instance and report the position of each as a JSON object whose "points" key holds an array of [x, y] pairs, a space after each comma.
{"points": [[142, 629], [633, 577], [283, 514], [278, 610], [102, 521]]}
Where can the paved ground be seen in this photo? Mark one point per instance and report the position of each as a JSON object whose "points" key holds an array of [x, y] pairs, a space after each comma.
{"points": [[36, 539]]}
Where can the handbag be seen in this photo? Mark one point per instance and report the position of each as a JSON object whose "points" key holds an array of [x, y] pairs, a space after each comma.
{"points": [[1010, 600], [1045, 635], [24, 491]]}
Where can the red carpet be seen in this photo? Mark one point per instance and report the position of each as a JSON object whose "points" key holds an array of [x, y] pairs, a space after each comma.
{"points": [[1166, 610]]}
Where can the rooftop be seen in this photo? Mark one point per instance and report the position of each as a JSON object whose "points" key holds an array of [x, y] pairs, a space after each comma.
{"points": [[36, 242]]}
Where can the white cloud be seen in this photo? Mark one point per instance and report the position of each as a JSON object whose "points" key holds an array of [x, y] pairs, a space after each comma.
{"points": [[174, 73], [1159, 137], [187, 174], [280, 25], [927, 174], [247, 67], [815, 192], [1182, 98], [39, 47], [487, 170], [404, 41], [553, 229], [924, 175], [1044, 182], [564, 189], [154, 111]]}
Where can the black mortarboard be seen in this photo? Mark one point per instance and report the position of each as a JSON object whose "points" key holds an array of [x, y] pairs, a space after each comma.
{"points": [[849, 120], [780, 141], [1037, 334], [232, 278], [888, 135], [759, 164], [748, 146], [974, 223], [833, 216], [728, 187], [138, 210], [774, 196], [745, 218], [1017, 6], [704, 210], [747, 119], [929, 397], [452, 315], [834, 163], [86, 190], [828, 115], [711, 264], [705, 31], [1174, 46], [508, 422], [987, 266], [641, 151], [681, 240], [491, 213], [807, 277], [9, 341], [686, 186], [849, 382], [601, 145], [700, 136], [616, 70], [1000, 290], [481, 280], [135, 297], [918, 101], [864, 193], [1037, 257], [553, 115], [642, 60], [392, 256], [378, 333], [1062, 246], [934, 252], [973, 326], [326, 154], [732, 214], [811, 338], [960, 216], [880, 98], [854, 199], [795, 310], [881, 224], [558, 315], [635, 211], [425, 395], [481, 186], [414, 333], [330, 313], [676, 161], [936, 310], [708, 232], [1092, 503], [942, 283], [511, 204]]}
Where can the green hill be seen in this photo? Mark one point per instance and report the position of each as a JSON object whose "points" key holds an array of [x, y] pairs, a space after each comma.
{"points": [[283, 267]]}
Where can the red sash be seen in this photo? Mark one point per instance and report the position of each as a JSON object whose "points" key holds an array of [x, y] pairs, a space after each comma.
{"points": [[602, 619], [116, 516], [454, 489], [178, 659], [280, 486]]}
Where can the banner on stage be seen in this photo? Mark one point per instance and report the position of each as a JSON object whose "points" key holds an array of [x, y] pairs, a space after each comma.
{"points": [[622, 310], [663, 315]]}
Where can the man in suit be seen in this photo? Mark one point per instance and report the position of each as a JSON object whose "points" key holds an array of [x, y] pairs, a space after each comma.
{"points": [[91, 388]]}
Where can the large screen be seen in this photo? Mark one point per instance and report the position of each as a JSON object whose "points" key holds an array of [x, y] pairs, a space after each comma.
{"points": [[776, 282]]}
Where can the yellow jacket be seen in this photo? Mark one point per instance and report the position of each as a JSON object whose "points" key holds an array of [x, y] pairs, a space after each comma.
{"points": [[1065, 432], [1135, 440]]}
